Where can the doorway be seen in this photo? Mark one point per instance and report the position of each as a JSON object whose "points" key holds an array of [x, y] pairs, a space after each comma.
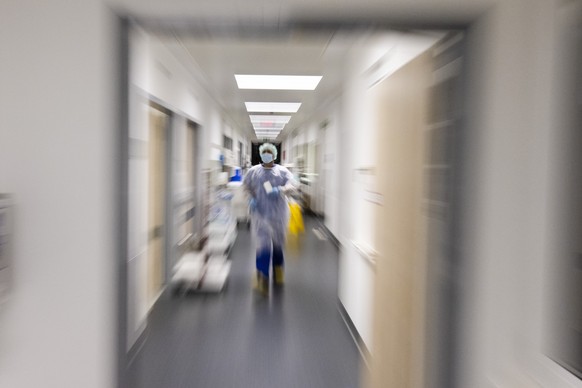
{"points": [[314, 154]]}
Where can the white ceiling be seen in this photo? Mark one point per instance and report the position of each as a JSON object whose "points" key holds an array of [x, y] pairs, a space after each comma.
{"points": [[223, 37], [219, 50], [219, 56]]}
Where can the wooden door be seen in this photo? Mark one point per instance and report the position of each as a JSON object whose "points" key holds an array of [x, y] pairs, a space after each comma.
{"points": [[399, 290], [158, 122]]}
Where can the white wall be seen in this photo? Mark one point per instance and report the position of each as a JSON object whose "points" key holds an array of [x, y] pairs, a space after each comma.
{"points": [[237, 135], [309, 133], [356, 276], [347, 137], [167, 79], [157, 73], [333, 174], [213, 131], [58, 158], [507, 208], [348, 141], [359, 166], [179, 147]]}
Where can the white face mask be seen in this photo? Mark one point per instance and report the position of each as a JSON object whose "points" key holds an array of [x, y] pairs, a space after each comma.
{"points": [[266, 158]]}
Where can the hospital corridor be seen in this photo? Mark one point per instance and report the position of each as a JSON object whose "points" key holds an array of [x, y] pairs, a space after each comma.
{"points": [[296, 338], [290, 194]]}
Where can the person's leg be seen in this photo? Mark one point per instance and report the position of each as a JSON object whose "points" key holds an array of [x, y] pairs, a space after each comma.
{"points": [[263, 264], [263, 261], [278, 265]]}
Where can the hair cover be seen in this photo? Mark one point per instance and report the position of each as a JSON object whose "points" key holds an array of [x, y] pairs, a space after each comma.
{"points": [[270, 147]]}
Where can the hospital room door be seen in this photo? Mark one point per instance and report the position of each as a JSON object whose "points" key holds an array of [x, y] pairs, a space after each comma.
{"points": [[158, 124]]}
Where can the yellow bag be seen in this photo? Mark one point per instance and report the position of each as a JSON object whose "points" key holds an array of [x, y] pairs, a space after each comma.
{"points": [[296, 219]]}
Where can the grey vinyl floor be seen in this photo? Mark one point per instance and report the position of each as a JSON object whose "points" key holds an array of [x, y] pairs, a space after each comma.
{"points": [[295, 338]]}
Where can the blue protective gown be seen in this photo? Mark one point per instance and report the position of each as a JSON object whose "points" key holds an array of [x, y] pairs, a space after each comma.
{"points": [[270, 218]]}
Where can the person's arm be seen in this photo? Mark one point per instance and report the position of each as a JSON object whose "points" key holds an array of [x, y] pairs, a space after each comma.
{"points": [[247, 184], [249, 190], [291, 187]]}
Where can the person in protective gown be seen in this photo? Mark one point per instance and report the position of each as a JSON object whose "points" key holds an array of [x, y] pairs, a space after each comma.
{"points": [[267, 184]]}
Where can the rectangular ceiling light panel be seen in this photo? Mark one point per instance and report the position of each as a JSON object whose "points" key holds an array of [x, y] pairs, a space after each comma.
{"points": [[274, 127], [276, 107], [269, 119], [272, 130], [267, 133], [277, 82]]}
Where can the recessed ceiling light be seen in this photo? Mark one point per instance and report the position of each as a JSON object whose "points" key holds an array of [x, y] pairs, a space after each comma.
{"points": [[269, 119], [268, 128], [277, 82], [281, 107], [270, 125]]}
